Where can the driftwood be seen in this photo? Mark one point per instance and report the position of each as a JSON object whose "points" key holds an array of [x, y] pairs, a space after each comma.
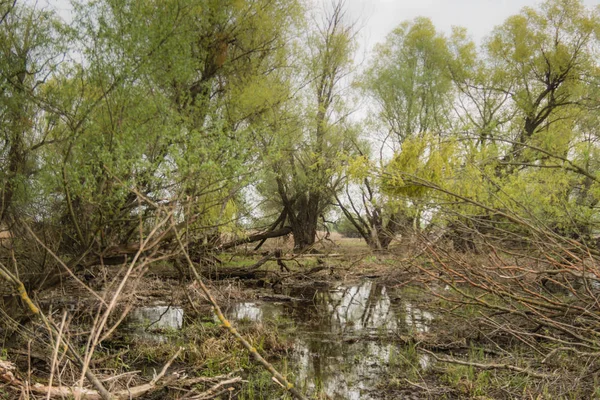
{"points": [[8, 377], [220, 384]]}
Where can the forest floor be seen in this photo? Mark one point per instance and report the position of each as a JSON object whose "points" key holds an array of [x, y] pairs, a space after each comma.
{"points": [[344, 324]]}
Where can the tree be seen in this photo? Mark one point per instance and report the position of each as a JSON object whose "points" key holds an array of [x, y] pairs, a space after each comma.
{"points": [[306, 168], [175, 91], [377, 217], [410, 84], [31, 45], [546, 61], [482, 104], [548, 55]]}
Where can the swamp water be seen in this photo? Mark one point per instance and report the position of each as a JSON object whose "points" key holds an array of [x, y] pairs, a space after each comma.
{"points": [[338, 333], [150, 323]]}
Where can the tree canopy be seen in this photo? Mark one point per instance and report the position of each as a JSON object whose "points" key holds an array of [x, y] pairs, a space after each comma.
{"points": [[238, 116]]}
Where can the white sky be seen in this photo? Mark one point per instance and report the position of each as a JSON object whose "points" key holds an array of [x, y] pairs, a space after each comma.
{"points": [[379, 17]]}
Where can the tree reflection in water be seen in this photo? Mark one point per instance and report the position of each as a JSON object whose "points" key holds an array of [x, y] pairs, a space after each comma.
{"points": [[336, 350]]}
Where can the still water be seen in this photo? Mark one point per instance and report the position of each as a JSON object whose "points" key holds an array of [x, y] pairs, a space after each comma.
{"points": [[338, 349], [151, 323], [343, 336]]}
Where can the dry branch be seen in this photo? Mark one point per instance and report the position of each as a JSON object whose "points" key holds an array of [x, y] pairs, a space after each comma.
{"points": [[490, 366], [20, 288], [280, 378], [215, 390], [7, 376], [286, 230]]}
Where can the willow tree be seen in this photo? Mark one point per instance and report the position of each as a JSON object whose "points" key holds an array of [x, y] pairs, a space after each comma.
{"points": [[409, 80], [165, 99], [482, 103], [376, 216], [547, 60], [528, 99], [32, 44], [409, 84], [309, 134], [549, 54]]}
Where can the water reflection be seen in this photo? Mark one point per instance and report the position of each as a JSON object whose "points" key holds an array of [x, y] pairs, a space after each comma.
{"points": [[418, 319], [256, 312], [333, 351], [150, 323], [360, 308], [347, 371]]}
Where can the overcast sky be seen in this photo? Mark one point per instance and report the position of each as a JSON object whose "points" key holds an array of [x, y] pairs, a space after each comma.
{"points": [[379, 17]]}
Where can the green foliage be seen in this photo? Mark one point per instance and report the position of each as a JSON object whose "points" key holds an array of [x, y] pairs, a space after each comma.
{"points": [[188, 103], [32, 43], [358, 168], [346, 228], [424, 160], [543, 54], [136, 100], [527, 115], [307, 140], [410, 81]]}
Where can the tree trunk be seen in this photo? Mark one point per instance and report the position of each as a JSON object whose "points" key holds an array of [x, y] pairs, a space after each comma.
{"points": [[16, 130], [384, 234], [305, 230]]}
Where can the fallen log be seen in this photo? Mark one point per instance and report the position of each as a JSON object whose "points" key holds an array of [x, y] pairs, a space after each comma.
{"points": [[286, 230], [253, 273], [8, 377], [280, 221], [233, 273], [118, 255]]}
